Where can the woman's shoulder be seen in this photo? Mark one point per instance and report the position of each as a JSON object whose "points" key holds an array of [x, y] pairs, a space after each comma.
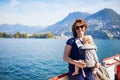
{"points": [[70, 41]]}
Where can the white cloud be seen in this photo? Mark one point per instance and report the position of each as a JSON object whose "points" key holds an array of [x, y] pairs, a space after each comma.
{"points": [[14, 3], [42, 12]]}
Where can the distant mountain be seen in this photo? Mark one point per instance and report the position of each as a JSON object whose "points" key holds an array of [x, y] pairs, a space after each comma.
{"points": [[65, 25], [102, 24], [18, 28], [105, 14]]}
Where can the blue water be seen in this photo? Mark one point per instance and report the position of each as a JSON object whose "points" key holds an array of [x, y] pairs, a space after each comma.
{"points": [[40, 59]]}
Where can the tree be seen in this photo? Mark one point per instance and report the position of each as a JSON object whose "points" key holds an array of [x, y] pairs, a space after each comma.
{"points": [[49, 35], [17, 35]]}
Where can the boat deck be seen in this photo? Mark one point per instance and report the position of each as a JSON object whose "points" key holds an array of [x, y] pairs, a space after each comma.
{"points": [[110, 63]]}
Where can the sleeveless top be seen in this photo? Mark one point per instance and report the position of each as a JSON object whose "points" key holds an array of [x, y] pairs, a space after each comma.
{"points": [[75, 54]]}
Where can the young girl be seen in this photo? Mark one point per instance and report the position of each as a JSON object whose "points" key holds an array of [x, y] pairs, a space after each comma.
{"points": [[91, 58]]}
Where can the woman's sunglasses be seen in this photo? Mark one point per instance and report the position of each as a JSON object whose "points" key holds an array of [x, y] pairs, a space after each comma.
{"points": [[78, 27]]}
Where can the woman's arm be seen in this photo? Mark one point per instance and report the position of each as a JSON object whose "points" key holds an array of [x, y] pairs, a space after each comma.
{"points": [[66, 57]]}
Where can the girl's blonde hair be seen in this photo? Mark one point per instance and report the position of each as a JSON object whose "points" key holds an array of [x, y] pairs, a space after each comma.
{"points": [[88, 38]]}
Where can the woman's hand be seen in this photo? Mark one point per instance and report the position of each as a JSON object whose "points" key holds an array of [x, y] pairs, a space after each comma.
{"points": [[80, 63]]}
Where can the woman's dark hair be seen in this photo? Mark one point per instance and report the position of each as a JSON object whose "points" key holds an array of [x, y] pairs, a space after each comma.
{"points": [[78, 21]]}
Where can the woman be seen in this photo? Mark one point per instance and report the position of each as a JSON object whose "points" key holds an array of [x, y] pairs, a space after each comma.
{"points": [[72, 55]]}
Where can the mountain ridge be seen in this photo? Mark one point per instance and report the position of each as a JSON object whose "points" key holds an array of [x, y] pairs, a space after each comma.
{"points": [[108, 13], [11, 29], [105, 22]]}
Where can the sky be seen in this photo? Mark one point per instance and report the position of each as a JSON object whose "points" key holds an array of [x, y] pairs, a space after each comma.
{"points": [[47, 12]]}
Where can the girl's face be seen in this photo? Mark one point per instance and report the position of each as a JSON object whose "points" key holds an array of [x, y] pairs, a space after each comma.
{"points": [[80, 29]]}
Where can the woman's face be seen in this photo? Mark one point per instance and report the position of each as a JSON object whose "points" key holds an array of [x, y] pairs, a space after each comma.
{"points": [[80, 29]]}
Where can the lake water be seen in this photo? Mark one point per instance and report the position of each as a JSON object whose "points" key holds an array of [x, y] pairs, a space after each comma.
{"points": [[40, 59]]}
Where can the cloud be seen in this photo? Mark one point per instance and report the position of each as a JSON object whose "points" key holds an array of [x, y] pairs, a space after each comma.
{"points": [[14, 3], [47, 12]]}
